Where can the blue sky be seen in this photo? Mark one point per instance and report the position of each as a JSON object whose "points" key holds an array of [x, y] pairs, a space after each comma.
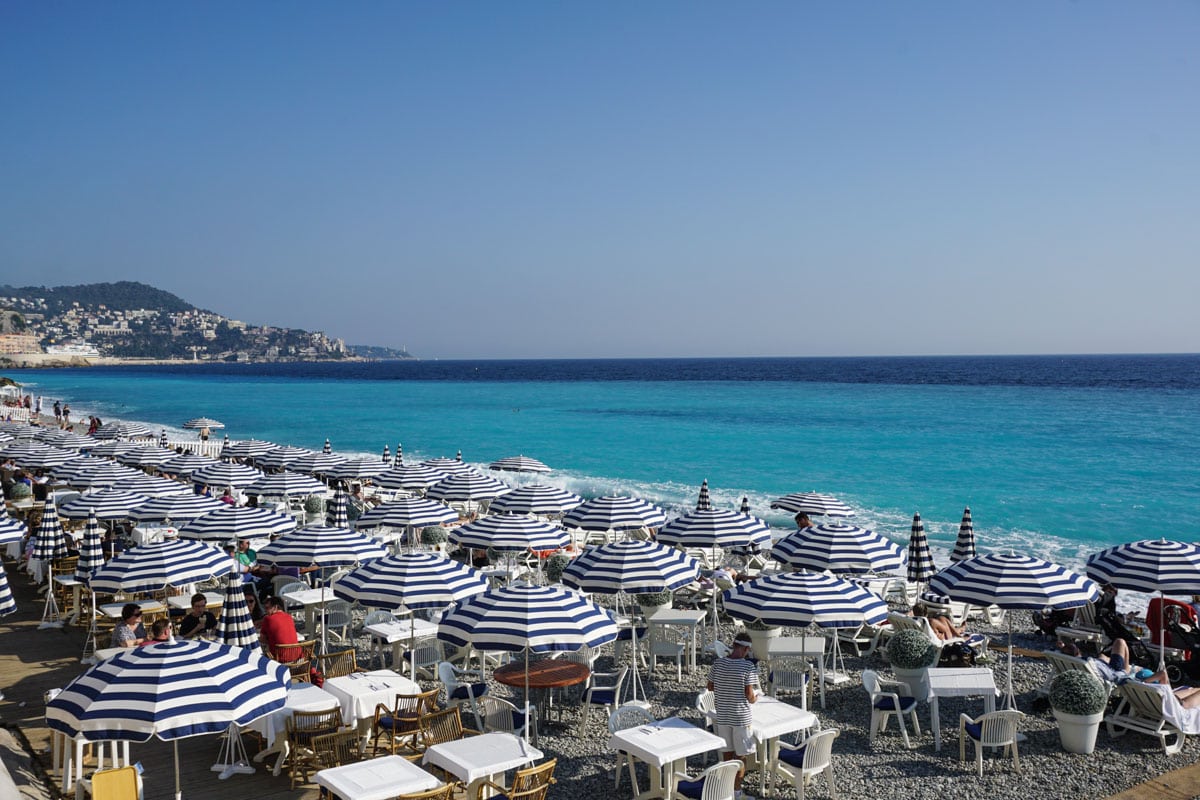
{"points": [[620, 179]]}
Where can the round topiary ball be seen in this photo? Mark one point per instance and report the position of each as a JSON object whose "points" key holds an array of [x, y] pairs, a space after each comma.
{"points": [[1079, 693], [555, 566], [19, 491], [434, 535], [314, 504], [911, 650]]}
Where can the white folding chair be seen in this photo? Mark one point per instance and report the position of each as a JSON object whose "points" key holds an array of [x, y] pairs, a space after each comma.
{"points": [[801, 762], [886, 704], [627, 716], [602, 689], [995, 729], [716, 783]]}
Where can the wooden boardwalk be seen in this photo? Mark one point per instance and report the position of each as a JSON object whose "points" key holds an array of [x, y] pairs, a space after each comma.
{"points": [[33, 661]]}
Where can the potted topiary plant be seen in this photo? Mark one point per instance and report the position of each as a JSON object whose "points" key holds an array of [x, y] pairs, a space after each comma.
{"points": [[1078, 699], [554, 567], [19, 491], [911, 655], [761, 635], [650, 602], [434, 536], [314, 508]]}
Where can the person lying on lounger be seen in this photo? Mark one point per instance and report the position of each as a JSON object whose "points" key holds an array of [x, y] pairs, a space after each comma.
{"points": [[940, 623]]}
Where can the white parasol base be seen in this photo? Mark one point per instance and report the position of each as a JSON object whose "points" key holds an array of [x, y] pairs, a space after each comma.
{"points": [[233, 759], [51, 618]]}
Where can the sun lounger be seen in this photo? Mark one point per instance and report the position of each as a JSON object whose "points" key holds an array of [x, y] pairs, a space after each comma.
{"points": [[1154, 710]]}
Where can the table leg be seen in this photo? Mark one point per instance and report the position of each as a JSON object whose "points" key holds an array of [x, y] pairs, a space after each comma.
{"points": [[821, 679], [935, 721], [280, 746]]}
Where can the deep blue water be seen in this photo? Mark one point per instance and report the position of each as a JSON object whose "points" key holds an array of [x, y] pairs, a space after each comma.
{"points": [[1058, 455]]}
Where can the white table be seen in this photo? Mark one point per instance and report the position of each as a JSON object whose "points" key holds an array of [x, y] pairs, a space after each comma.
{"points": [[476, 759], [958, 682], [774, 718], [183, 602], [359, 692], [76, 588], [377, 779], [399, 633], [665, 746], [802, 647], [311, 599], [151, 534], [113, 610], [273, 726], [105, 653], [683, 618]]}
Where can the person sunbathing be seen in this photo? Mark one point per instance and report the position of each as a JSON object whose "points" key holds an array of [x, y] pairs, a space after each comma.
{"points": [[940, 623]]}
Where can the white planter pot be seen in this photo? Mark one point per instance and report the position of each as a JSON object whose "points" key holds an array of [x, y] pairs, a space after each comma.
{"points": [[761, 641], [917, 680], [649, 611], [1078, 731]]}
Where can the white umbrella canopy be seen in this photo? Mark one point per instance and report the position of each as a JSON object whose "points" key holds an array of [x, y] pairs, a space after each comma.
{"points": [[813, 504], [186, 464], [11, 530], [510, 533], [171, 690], [467, 485], [536, 499], [518, 464], [248, 448], [113, 448], [447, 465], [317, 545], [102, 476], [178, 508], [416, 512], [964, 545], [152, 486], [715, 528], [358, 469], [314, 463], [67, 440], [148, 456], [34, 455], [920, 559], [151, 567], [276, 457]]}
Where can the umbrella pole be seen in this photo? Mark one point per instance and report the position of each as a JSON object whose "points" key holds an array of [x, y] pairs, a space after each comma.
{"points": [[412, 638], [178, 791], [89, 644], [1010, 702], [527, 720], [1162, 635]]}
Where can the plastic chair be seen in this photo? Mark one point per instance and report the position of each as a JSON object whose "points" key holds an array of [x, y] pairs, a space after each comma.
{"points": [[338, 619], [459, 692], [602, 689], [531, 783], [379, 645], [291, 585], [801, 762], [997, 729], [886, 704], [668, 641], [715, 784], [790, 675], [627, 716], [504, 717], [426, 654]]}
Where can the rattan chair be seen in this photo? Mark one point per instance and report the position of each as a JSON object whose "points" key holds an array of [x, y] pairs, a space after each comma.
{"points": [[302, 728], [341, 663], [531, 783], [335, 749], [441, 793], [401, 724]]}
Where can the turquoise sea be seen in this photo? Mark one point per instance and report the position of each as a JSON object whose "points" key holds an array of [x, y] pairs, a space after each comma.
{"points": [[1057, 456]]}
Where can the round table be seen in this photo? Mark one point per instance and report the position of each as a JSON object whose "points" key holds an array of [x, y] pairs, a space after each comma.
{"points": [[542, 675]]}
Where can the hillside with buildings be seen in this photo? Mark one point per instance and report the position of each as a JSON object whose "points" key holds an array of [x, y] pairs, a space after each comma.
{"points": [[133, 321]]}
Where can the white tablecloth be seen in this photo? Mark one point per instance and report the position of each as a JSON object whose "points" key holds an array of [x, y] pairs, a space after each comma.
{"points": [[477, 757], [359, 692], [773, 718], [147, 534], [300, 697], [377, 779], [665, 742], [183, 602]]}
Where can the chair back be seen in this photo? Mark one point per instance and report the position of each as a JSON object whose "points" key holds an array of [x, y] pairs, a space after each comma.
{"points": [[1144, 701], [341, 663], [286, 583], [706, 704], [441, 726], [790, 675], [337, 614], [115, 784], [426, 653], [440, 793], [870, 681], [295, 653], [532, 783], [500, 716], [719, 780], [303, 726], [337, 748], [629, 716], [376, 617], [818, 750], [999, 728]]}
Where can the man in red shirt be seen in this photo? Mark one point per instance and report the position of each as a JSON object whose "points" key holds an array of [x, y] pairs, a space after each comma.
{"points": [[279, 630]]}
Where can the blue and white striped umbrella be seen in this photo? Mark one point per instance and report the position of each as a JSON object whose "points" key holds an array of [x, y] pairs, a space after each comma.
{"points": [[715, 528], [813, 504], [518, 464], [151, 456], [152, 486], [1148, 566], [286, 484], [510, 533], [152, 567], [320, 546], [614, 513], [468, 485], [222, 473], [101, 476], [704, 501], [171, 690], [185, 464], [8, 604], [280, 455], [49, 541], [247, 448], [106, 504], [197, 423], [451, 466], [11, 529], [802, 599], [236, 626], [839, 548], [112, 448], [414, 580], [339, 518], [177, 508], [314, 463], [44, 457], [91, 551], [416, 512], [123, 430], [410, 477], [542, 619], [387, 455], [234, 522], [20, 450], [536, 499], [359, 469], [964, 545], [1013, 581], [77, 465], [1009, 580], [328, 448], [920, 557], [631, 567], [67, 440], [399, 460]]}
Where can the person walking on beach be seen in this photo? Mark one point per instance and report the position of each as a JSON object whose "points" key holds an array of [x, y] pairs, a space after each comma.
{"points": [[733, 680], [204, 433], [58, 413], [66, 415]]}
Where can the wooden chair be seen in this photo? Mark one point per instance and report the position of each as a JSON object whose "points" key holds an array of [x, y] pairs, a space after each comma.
{"points": [[531, 783], [443, 726], [401, 724], [441, 793], [302, 728], [298, 665], [341, 663], [335, 749]]}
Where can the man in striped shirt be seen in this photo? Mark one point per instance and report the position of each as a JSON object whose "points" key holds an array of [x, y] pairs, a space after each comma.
{"points": [[733, 680]]}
